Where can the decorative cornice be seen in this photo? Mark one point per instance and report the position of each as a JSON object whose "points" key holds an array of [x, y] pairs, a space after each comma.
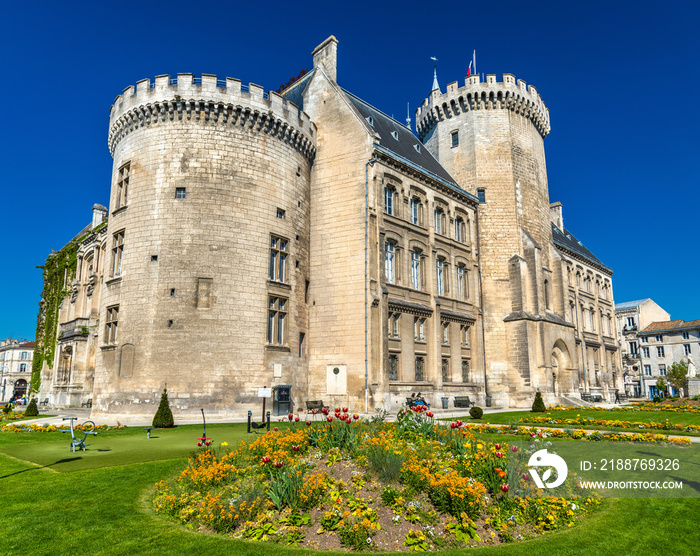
{"points": [[417, 309]]}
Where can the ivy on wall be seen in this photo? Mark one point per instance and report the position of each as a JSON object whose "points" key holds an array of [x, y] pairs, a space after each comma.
{"points": [[59, 270]]}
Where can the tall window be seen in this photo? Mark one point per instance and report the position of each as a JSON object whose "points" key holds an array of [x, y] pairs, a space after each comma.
{"points": [[390, 200], [393, 367], [117, 253], [394, 325], [415, 269], [23, 368], [276, 320], [686, 349], [420, 367], [445, 370], [455, 138], [460, 230], [660, 351], [659, 338], [686, 336], [647, 370], [24, 356], [464, 335], [633, 348], [415, 210], [439, 221], [122, 185], [460, 282], [445, 332], [390, 262], [481, 195], [418, 329], [630, 322], [645, 352], [440, 274], [465, 370], [111, 324], [662, 369], [278, 259]]}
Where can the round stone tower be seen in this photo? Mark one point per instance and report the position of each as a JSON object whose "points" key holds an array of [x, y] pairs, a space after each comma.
{"points": [[207, 253], [490, 138]]}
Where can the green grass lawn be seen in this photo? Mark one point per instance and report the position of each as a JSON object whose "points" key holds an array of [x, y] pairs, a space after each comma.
{"points": [[56, 502]]}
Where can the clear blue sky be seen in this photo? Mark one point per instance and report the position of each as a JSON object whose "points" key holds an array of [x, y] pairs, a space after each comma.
{"points": [[620, 79]]}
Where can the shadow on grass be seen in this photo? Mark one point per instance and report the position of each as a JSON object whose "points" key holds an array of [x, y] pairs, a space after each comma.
{"points": [[60, 461]]}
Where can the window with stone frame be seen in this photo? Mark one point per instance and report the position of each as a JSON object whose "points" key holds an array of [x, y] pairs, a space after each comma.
{"points": [[111, 322], [391, 200], [277, 320], [393, 366], [686, 336], [279, 252], [645, 352], [393, 325], [419, 329], [117, 253], [390, 261], [686, 349], [461, 282], [416, 270], [662, 369], [461, 230], [420, 369], [23, 368], [446, 370], [660, 351], [464, 334], [647, 370], [440, 275], [465, 370], [446, 333], [122, 186], [440, 225], [416, 211], [24, 356]]}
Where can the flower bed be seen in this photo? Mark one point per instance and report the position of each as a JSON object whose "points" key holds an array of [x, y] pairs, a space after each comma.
{"points": [[637, 406], [615, 423], [50, 428], [358, 485]]}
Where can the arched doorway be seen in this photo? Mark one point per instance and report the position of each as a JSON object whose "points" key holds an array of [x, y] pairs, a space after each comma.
{"points": [[20, 388], [561, 362]]}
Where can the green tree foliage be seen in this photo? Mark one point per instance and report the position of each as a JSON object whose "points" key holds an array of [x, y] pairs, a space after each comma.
{"points": [[163, 418], [32, 410], [476, 412], [538, 404], [676, 374], [661, 385]]}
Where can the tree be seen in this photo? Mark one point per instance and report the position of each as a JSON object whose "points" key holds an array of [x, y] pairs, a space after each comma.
{"points": [[163, 418], [661, 384], [32, 410], [676, 374], [538, 404]]}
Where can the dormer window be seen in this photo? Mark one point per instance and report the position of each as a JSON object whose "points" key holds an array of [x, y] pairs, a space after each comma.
{"points": [[417, 147], [395, 135], [370, 120]]}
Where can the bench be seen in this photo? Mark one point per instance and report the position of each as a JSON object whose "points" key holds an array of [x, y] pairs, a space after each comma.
{"points": [[586, 397], [314, 406], [87, 403], [45, 402], [463, 401], [410, 402]]}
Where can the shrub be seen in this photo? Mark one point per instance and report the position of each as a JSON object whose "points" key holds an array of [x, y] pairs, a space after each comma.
{"points": [[389, 495], [163, 418], [476, 412], [8, 407], [538, 404], [32, 410]]}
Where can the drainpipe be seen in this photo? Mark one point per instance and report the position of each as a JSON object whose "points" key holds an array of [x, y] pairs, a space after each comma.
{"points": [[369, 163], [481, 304]]}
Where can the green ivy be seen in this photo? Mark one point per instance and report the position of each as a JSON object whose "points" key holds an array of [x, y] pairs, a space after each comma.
{"points": [[59, 270]]}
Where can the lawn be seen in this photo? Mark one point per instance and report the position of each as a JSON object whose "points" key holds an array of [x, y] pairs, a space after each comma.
{"points": [[96, 502]]}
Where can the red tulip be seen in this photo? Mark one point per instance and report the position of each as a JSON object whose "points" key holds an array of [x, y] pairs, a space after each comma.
{"points": [[208, 442], [459, 423], [295, 448], [324, 411], [515, 448], [275, 429], [356, 416], [279, 464], [345, 410], [329, 419], [532, 434], [265, 459], [348, 420], [296, 419], [525, 477], [429, 414], [504, 488], [498, 446], [499, 454], [308, 423], [337, 410], [199, 443]]}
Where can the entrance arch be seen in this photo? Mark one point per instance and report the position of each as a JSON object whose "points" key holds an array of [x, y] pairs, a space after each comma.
{"points": [[20, 388], [561, 362]]}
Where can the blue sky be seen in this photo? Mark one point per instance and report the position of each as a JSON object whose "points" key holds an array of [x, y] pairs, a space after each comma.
{"points": [[620, 79]]}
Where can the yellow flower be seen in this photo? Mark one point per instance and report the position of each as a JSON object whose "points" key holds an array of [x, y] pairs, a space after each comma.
{"points": [[224, 443]]}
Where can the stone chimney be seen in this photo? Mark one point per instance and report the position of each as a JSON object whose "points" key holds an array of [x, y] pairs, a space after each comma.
{"points": [[99, 213], [326, 56], [555, 215]]}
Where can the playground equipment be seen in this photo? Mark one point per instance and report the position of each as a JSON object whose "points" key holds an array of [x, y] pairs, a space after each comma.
{"points": [[88, 427]]}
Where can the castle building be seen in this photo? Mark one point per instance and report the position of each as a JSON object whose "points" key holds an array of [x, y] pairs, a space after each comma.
{"points": [[308, 242]]}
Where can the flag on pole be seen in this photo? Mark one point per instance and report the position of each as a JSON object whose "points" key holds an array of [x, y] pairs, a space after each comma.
{"points": [[474, 60], [469, 69]]}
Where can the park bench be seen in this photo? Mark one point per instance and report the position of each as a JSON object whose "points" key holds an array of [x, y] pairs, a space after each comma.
{"points": [[314, 406], [585, 396], [463, 401], [86, 403], [45, 402], [410, 402]]}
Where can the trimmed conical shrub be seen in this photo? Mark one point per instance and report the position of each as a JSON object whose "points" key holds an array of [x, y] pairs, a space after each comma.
{"points": [[32, 410], [163, 418], [538, 404]]}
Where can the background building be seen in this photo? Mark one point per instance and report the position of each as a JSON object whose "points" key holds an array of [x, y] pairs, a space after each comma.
{"points": [[15, 368], [306, 241]]}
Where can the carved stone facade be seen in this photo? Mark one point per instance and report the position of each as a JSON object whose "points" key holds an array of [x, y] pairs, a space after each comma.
{"points": [[309, 242], [15, 368]]}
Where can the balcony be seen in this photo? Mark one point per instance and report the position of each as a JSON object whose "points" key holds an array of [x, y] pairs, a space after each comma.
{"points": [[76, 328]]}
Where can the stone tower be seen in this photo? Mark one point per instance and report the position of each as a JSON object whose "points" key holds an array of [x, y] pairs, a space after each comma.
{"points": [[490, 137], [207, 249]]}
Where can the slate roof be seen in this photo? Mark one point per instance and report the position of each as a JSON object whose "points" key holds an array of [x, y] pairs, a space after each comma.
{"points": [[568, 241], [630, 304], [668, 325]]}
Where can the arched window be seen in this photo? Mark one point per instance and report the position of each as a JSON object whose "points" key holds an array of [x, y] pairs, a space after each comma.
{"points": [[416, 269], [390, 200], [439, 221], [390, 261], [440, 274], [461, 282], [460, 230]]}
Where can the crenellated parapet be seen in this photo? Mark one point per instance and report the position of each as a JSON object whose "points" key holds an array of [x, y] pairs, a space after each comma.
{"points": [[210, 101], [509, 94]]}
